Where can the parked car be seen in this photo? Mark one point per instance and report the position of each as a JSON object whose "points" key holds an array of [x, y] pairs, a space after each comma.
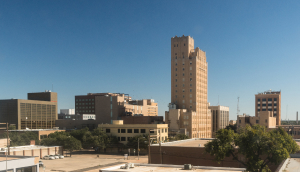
{"points": [[49, 157], [60, 156], [41, 164], [55, 156]]}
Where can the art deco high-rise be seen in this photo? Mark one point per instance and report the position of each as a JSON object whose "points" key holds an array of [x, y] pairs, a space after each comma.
{"points": [[188, 108]]}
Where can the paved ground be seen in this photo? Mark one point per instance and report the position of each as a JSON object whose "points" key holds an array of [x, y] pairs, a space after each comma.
{"points": [[293, 165], [88, 162]]}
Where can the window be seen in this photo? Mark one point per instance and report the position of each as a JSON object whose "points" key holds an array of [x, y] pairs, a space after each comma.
{"points": [[263, 99], [119, 130], [240, 121], [183, 79], [76, 100], [190, 95], [263, 109], [175, 74], [182, 68], [177, 45], [92, 99], [190, 101], [176, 91], [190, 74], [128, 138], [263, 104], [182, 85], [107, 130], [175, 64], [190, 79], [166, 130], [175, 96], [190, 90], [136, 130], [183, 101], [175, 69], [143, 130], [123, 130], [76, 103], [257, 121], [258, 110], [175, 85], [183, 57], [190, 85], [151, 131], [191, 107], [183, 96], [176, 56], [174, 45], [190, 62], [190, 68], [175, 80], [275, 104], [182, 90], [269, 99], [79, 99], [269, 105], [119, 139], [183, 44], [266, 121], [89, 99], [129, 130], [183, 74], [258, 100], [123, 138], [275, 109], [275, 99]]}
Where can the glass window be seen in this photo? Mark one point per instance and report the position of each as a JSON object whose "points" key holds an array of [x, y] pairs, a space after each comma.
{"points": [[190, 79], [263, 99], [182, 68], [151, 131], [275, 99], [143, 130], [119, 139], [107, 130], [92, 99], [257, 121], [76, 100], [136, 130], [190, 62], [175, 80], [191, 74], [119, 130], [269, 105], [275, 104], [123, 131], [123, 138], [183, 74], [269, 99], [258, 100], [263, 109], [275, 109], [190, 90], [129, 130], [175, 69]]}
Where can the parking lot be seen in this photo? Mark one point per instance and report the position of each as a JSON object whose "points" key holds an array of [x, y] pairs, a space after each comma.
{"points": [[88, 162]]}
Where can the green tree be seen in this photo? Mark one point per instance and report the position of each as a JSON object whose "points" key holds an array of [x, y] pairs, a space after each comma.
{"points": [[21, 138], [258, 147], [63, 139], [141, 139], [232, 127], [181, 137]]}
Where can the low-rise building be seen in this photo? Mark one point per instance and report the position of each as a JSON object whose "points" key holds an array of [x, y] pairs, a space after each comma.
{"points": [[264, 118], [12, 163], [125, 131], [232, 122]]}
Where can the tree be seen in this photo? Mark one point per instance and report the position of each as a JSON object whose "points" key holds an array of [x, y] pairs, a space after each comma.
{"points": [[63, 139], [21, 138], [232, 127], [258, 147], [142, 139], [181, 137]]}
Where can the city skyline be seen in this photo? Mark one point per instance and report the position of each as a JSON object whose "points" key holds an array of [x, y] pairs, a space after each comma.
{"points": [[124, 47]]}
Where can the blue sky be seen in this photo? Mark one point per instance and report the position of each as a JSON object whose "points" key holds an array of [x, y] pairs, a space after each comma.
{"points": [[124, 46]]}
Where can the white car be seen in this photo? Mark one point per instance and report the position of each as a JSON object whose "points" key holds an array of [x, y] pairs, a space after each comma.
{"points": [[49, 157], [60, 156], [55, 156]]}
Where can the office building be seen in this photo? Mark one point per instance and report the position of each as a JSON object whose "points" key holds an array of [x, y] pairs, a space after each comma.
{"points": [[112, 106], [38, 112], [189, 107], [269, 101], [264, 118], [126, 131], [219, 117]]}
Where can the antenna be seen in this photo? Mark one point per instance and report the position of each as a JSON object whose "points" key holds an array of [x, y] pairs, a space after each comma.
{"points": [[238, 107]]}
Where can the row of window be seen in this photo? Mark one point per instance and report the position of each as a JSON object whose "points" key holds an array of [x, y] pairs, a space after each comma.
{"points": [[84, 100], [268, 110], [183, 90], [128, 138], [183, 69], [269, 99], [122, 130], [85, 110], [85, 103], [85, 107], [177, 46], [275, 104], [182, 75], [183, 85], [183, 63]]}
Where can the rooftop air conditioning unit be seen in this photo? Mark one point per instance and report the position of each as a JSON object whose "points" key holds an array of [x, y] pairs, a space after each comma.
{"points": [[187, 167]]}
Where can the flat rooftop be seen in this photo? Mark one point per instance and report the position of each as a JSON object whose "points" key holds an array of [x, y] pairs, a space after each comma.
{"points": [[187, 143], [29, 147], [167, 168]]}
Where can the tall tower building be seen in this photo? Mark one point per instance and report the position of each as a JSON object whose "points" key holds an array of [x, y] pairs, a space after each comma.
{"points": [[269, 101], [189, 107]]}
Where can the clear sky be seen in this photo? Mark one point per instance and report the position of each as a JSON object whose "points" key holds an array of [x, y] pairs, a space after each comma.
{"points": [[124, 46]]}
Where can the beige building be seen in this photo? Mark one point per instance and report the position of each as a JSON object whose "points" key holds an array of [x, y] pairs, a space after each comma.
{"points": [[188, 108], [232, 122], [264, 118], [112, 106], [269, 101], [219, 118], [38, 112], [125, 131]]}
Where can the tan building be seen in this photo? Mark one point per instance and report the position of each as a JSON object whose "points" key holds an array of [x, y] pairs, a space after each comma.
{"points": [[125, 131], [264, 118], [188, 107], [269, 101], [112, 106], [38, 112], [232, 122], [219, 118]]}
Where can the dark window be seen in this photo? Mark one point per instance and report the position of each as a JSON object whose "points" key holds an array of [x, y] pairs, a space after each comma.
{"points": [[176, 57], [269, 109], [269, 99], [275, 109], [258, 100], [174, 45], [151, 131], [119, 139], [263, 104], [190, 79], [269, 104], [175, 69], [182, 68], [123, 130], [177, 45], [183, 44], [263, 99], [107, 130], [136, 130], [123, 138], [143, 130], [263, 109], [275, 99], [266, 121], [257, 121], [119, 130], [129, 130], [258, 110], [240, 121]]}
